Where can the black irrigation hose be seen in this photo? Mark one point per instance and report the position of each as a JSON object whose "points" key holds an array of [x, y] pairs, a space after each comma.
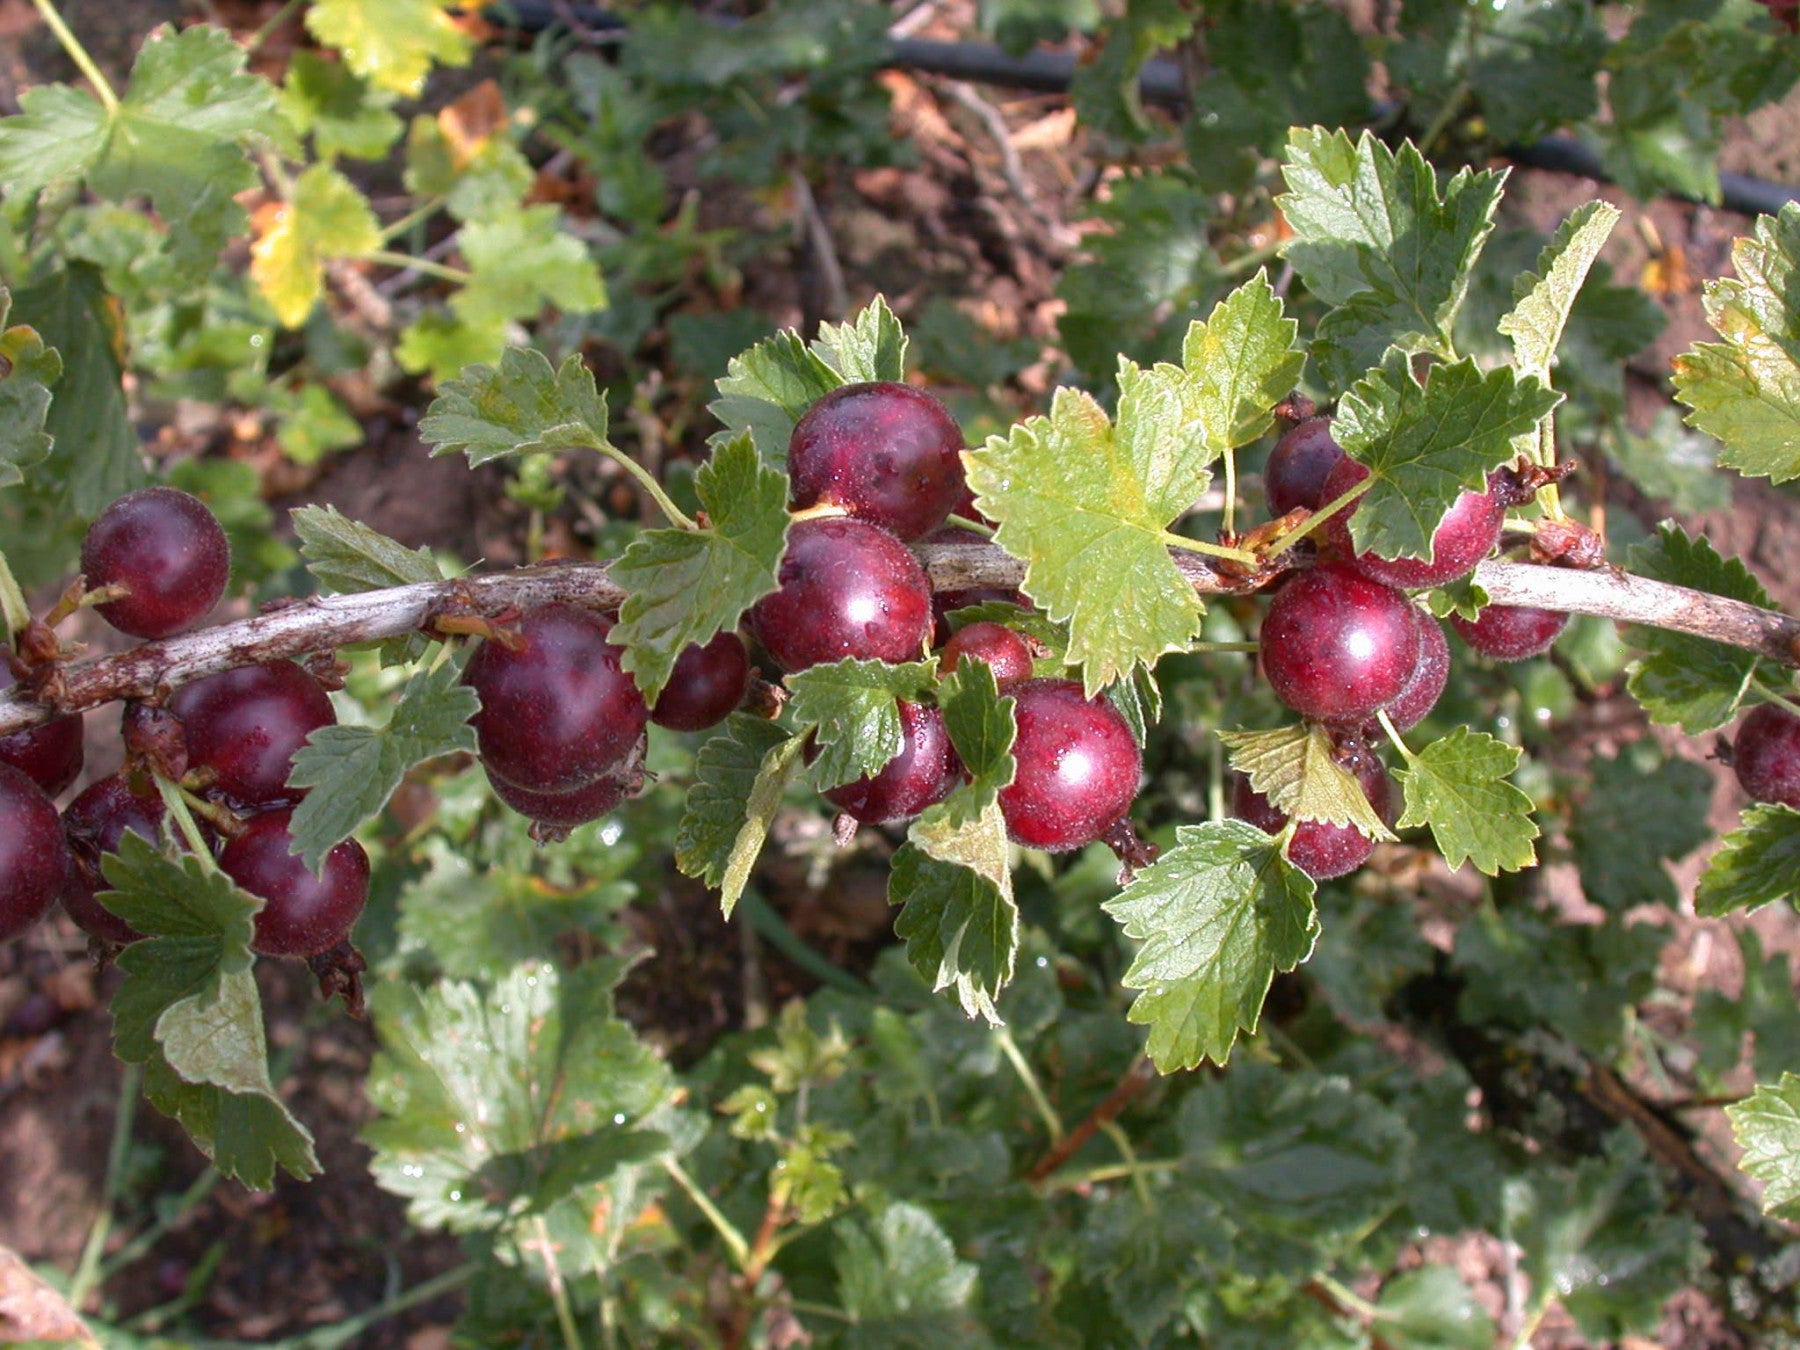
{"points": [[1161, 83]]}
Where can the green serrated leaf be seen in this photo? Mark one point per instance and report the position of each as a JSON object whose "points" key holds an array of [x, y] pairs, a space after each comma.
{"points": [[1460, 597], [1756, 864], [519, 262], [852, 709], [1295, 767], [871, 346], [1679, 678], [1431, 1308], [765, 392], [1425, 445], [94, 457], [1088, 510], [483, 182], [391, 43], [1218, 915], [30, 368], [1545, 297], [1641, 811], [902, 1284], [176, 136], [1458, 786], [496, 1103], [1374, 237], [1601, 1239], [188, 1011], [338, 108], [1745, 391], [519, 407], [684, 586], [352, 771], [739, 777], [1767, 1126], [1243, 360], [324, 218], [345, 556]]}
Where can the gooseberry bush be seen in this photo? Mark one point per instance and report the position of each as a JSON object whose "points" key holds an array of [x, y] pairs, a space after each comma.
{"points": [[1222, 994]]}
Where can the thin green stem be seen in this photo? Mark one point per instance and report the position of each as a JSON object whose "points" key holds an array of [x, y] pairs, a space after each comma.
{"points": [[1550, 495], [1352, 1300], [346, 1332], [726, 1229], [1523, 1340], [1255, 258], [1230, 490], [774, 930], [824, 1310], [646, 480], [819, 511], [15, 613], [1779, 699], [1096, 1176], [559, 1294], [972, 526], [1139, 1182], [1446, 116], [1033, 1088], [198, 1190], [87, 1270], [1393, 734], [382, 257], [270, 26], [1181, 541], [1286, 541], [86, 64], [175, 801], [1208, 648], [423, 211]]}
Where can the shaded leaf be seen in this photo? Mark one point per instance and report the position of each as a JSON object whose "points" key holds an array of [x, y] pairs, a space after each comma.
{"points": [[1756, 864]]}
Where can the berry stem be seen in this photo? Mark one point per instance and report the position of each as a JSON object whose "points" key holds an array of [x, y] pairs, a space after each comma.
{"points": [[647, 481], [559, 1295], [1286, 541], [1393, 735], [735, 1244], [382, 257], [1206, 648], [424, 211], [1780, 700], [1181, 541], [821, 511], [1231, 491], [270, 26], [176, 801], [1033, 1088], [85, 63], [972, 526], [87, 1275]]}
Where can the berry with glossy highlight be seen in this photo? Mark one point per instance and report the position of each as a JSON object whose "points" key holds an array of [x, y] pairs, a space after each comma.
{"points": [[1078, 767], [887, 453], [1337, 646], [847, 590], [34, 858], [1002, 648], [1466, 534], [706, 685], [1766, 755], [557, 709], [926, 771], [168, 550], [1511, 632], [304, 914], [246, 724]]}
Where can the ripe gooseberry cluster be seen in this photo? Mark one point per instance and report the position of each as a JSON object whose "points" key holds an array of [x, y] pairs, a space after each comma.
{"points": [[155, 563], [1343, 644]]}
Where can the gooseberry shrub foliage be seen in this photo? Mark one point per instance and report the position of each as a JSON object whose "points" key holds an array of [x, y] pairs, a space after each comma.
{"points": [[1060, 1110]]}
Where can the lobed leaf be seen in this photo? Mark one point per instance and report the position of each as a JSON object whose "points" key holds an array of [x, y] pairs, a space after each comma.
{"points": [[391, 43], [1457, 786], [852, 709], [1680, 678], [739, 777], [518, 407], [1296, 768], [765, 391], [30, 369], [1426, 444], [1756, 864], [684, 586], [1745, 390], [345, 556], [325, 218], [1767, 1126], [870, 347], [351, 771], [1217, 915]]}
